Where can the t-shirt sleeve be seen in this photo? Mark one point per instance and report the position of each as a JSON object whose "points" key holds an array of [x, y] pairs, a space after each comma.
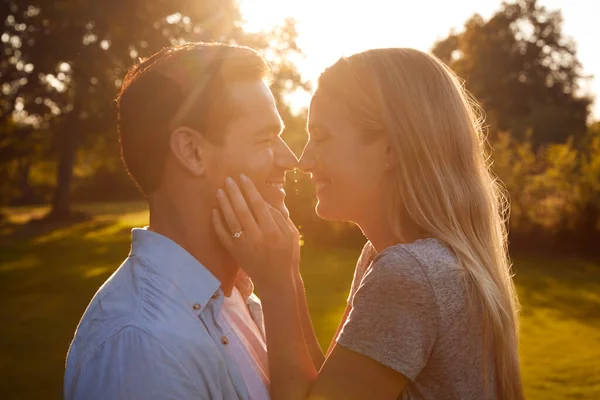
{"points": [[366, 256], [394, 316]]}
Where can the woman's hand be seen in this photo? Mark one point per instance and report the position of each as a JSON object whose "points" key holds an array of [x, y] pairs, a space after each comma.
{"points": [[263, 242]]}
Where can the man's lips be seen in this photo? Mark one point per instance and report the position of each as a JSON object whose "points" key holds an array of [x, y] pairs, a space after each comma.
{"points": [[276, 184]]}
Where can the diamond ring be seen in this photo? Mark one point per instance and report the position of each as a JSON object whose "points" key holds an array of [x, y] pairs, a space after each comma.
{"points": [[238, 234]]}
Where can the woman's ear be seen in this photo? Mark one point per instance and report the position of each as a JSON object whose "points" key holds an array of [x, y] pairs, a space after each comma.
{"points": [[188, 147], [389, 156]]}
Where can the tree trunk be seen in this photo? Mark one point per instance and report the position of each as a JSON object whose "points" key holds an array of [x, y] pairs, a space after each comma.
{"points": [[27, 194], [68, 143]]}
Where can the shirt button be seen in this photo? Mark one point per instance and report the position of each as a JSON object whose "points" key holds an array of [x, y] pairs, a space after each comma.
{"points": [[216, 295], [196, 306], [224, 339]]}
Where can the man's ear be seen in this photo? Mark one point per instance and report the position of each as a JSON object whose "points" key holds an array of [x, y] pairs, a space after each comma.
{"points": [[188, 146]]}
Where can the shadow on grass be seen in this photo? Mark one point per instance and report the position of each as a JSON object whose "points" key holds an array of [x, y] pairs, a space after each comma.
{"points": [[569, 286], [48, 274], [37, 226]]}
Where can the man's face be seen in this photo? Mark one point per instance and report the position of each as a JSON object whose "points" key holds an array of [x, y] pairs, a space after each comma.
{"points": [[252, 145]]}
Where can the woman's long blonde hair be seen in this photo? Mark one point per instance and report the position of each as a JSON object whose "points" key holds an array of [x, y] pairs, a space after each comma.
{"points": [[444, 185]]}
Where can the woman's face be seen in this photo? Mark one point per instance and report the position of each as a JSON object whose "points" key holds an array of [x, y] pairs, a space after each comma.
{"points": [[348, 171]]}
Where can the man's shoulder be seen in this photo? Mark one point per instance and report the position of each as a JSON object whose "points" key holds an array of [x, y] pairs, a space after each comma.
{"points": [[132, 357], [133, 298], [121, 296]]}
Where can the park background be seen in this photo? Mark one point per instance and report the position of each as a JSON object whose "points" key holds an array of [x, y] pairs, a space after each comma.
{"points": [[67, 206]]}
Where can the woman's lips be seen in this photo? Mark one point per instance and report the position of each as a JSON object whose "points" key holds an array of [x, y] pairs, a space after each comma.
{"points": [[320, 184]]}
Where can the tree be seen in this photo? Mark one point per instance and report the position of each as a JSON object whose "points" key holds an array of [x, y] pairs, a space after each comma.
{"points": [[81, 49], [522, 69]]}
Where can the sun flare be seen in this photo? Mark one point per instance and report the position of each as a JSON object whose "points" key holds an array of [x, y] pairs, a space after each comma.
{"points": [[329, 29]]}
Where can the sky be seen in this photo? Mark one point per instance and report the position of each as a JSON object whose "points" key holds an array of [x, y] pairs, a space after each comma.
{"points": [[329, 29]]}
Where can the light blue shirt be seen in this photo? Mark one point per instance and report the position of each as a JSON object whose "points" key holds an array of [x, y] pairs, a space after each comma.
{"points": [[151, 331]]}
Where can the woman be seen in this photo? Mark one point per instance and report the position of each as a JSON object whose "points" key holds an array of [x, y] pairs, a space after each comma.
{"points": [[395, 147]]}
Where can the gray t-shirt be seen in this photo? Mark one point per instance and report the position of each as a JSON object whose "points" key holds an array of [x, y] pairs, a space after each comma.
{"points": [[410, 312]]}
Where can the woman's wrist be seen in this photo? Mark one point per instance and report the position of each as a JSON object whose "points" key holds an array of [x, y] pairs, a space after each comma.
{"points": [[276, 285]]}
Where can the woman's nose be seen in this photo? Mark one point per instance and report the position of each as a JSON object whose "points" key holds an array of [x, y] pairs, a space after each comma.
{"points": [[285, 157], [308, 159]]}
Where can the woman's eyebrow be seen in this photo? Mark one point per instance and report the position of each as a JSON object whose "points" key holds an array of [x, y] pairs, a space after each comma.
{"points": [[316, 126]]}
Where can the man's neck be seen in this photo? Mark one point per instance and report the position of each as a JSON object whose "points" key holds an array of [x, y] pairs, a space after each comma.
{"points": [[191, 228]]}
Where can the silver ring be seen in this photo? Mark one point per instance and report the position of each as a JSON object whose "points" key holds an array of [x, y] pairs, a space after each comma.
{"points": [[238, 234]]}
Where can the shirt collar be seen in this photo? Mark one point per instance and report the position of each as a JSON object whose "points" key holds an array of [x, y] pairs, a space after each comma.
{"points": [[197, 283], [244, 284], [168, 259]]}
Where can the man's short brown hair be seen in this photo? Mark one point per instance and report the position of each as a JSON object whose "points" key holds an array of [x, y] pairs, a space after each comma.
{"points": [[179, 86]]}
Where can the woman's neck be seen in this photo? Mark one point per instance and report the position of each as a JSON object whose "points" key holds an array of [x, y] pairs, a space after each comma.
{"points": [[378, 229]]}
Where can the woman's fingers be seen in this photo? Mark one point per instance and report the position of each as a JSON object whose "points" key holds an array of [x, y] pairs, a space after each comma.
{"points": [[228, 213], [279, 220], [257, 204], [240, 208], [222, 231]]}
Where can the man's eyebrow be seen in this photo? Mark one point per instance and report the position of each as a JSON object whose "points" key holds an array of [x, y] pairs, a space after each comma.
{"points": [[270, 129]]}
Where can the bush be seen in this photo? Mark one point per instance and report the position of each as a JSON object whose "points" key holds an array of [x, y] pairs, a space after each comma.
{"points": [[554, 192]]}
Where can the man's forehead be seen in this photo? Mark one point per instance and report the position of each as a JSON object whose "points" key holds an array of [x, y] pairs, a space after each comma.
{"points": [[251, 92], [254, 100]]}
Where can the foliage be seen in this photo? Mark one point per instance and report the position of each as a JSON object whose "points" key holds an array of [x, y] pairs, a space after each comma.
{"points": [[554, 191], [65, 62], [522, 69]]}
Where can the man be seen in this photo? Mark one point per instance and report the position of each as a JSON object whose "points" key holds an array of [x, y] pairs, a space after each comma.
{"points": [[178, 319]]}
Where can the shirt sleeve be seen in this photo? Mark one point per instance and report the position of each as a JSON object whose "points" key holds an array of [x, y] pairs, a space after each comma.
{"points": [[132, 364], [366, 256], [394, 316]]}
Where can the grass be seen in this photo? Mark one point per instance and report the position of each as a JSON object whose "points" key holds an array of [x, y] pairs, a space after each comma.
{"points": [[49, 273]]}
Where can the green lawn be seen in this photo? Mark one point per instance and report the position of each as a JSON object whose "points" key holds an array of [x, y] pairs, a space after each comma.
{"points": [[49, 273]]}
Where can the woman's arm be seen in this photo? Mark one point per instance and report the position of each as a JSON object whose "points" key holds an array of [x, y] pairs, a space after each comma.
{"points": [[345, 374], [366, 256], [339, 329], [291, 367], [352, 376], [266, 252], [316, 353]]}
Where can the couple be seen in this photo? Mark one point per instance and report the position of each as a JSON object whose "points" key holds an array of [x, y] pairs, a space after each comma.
{"points": [[395, 147]]}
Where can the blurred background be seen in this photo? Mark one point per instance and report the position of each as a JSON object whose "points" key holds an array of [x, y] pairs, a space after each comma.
{"points": [[67, 205]]}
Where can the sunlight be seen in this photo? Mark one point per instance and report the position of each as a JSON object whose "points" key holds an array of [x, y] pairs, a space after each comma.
{"points": [[25, 262], [97, 271], [333, 28], [328, 30]]}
